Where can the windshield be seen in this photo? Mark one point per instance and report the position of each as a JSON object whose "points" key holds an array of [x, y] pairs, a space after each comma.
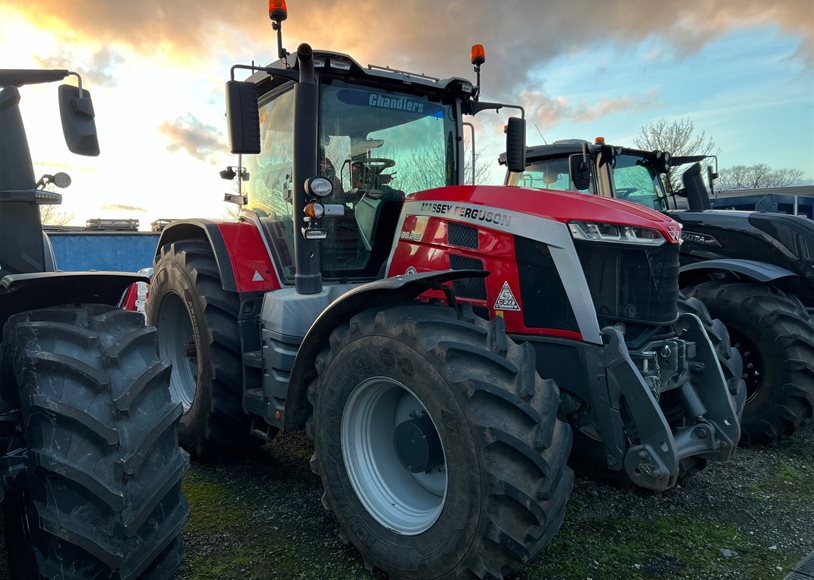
{"points": [[383, 142], [636, 180], [547, 174]]}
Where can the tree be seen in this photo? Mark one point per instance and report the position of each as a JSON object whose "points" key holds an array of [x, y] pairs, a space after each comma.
{"points": [[678, 138], [424, 168], [757, 176], [53, 215]]}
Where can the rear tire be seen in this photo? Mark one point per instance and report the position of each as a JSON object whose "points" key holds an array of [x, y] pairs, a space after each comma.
{"points": [[505, 480], [103, 495], [198, 332], [775, 337]]}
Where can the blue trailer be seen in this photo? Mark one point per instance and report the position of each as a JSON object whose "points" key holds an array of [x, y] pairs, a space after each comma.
{"points": [[797, 200], [119, 251]]}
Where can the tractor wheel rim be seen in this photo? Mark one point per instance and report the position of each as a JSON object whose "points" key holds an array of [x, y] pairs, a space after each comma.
{"points": [[404, 502], [174, 337], [753, 368]]}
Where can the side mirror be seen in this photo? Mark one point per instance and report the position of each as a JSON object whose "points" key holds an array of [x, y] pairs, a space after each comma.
{"points": [[242, 117], [580, 172], [516, 144], [78, 120], [711, 177], [697, 196]]}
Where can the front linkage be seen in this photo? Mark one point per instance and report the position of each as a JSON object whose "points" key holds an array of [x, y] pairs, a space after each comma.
{"points": [[640, 434]]}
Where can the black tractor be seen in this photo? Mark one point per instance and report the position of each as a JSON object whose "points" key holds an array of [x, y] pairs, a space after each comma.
{"points": [[90, 474], [753, 270]]}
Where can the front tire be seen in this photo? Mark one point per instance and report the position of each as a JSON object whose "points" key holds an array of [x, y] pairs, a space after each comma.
{"points": [[775, 337], [103, 496], [437, 443], [728, 356], [198, 331]]}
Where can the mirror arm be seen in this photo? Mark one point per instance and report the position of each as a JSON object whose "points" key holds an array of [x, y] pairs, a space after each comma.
{"points": [[472, 129], [479, 106], [78, 81]]}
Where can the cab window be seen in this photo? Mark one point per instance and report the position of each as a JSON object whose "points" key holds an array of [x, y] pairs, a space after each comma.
{"points": [[548, 174], [269, 186], [635, 180]]}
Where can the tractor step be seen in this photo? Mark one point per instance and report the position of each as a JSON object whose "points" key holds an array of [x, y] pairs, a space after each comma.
{"points": [[254, 359], [254, 402], [262, 429]]}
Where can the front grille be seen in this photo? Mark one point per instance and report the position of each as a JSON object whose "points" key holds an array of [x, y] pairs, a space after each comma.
{"points": [[631, 283], [545, 302], [474, 288], [462, 235]]}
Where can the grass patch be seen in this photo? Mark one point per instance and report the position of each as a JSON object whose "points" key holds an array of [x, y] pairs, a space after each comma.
{"points": [[213, 506], [225, 539], [640, 547], [791, 481]]}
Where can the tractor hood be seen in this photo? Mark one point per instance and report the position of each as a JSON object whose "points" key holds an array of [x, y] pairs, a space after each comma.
{"points": [[562, 206]]}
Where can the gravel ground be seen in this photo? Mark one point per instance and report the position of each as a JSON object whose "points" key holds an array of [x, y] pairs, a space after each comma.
{"points": [[750, 518], [753, 517]]}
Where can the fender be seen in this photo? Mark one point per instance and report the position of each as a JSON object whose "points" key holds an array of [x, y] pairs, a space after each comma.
{"points": [[378, 293], [21, 292], [241, 255], [754, 270]]}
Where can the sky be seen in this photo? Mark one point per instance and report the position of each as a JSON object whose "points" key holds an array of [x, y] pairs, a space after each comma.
{"points": [[741, 70]]}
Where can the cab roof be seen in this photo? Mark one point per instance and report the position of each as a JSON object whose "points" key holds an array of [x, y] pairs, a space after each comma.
{"points": [[337, 63]]}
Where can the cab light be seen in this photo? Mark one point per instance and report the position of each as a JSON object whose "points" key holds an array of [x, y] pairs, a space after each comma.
{"points": [[47, 198], [615, 234], [277, 10], [599, 141], [319, 186], [477, 55], [314, 210]]}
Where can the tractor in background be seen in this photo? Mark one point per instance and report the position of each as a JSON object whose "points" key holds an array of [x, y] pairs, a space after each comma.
{"points": [[418, 328], [753, 270], [91, 468]]}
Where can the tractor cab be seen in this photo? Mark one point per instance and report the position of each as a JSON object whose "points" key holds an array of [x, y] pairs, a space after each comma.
{"points": [[375, 136], [381, 137], [596, 168]]}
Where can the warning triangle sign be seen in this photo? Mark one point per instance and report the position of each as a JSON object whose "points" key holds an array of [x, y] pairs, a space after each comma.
{"points": [[257, 277], [506, 300]]}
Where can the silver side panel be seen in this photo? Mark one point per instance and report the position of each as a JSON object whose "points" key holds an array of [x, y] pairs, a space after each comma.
{"points": [[288, 314]]}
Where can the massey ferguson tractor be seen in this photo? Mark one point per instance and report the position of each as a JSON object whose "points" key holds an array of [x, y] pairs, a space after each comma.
{"points": [[754, 271], [417, 328], [90, 472]]}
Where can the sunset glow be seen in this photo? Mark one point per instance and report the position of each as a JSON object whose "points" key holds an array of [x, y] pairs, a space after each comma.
{"points": [[742, 71]]}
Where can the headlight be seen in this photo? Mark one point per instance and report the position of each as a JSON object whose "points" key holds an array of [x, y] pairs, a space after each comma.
{"points": [[616, 234]]}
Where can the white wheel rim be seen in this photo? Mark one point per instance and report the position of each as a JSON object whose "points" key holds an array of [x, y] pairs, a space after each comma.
{"points": [[404, 502], [174, 336]]}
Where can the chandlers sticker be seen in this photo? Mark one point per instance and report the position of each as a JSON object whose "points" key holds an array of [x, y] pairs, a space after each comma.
{"points": [[391, 101], [472, 213], [505, 300]]}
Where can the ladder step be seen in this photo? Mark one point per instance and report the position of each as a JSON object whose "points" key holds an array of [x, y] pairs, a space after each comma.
{"points": [[253, 358]]}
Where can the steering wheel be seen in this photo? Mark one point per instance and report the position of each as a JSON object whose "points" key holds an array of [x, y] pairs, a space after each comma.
{"points": [[376, 164], [624, 192]]}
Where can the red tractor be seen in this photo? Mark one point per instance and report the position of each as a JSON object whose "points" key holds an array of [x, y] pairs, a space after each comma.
{"points": [[417, 327]]}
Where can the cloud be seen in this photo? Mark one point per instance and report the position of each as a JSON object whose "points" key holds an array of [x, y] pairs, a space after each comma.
{"points": [[99, 70], [427, 35], [548, 111], [193, 136], [125, 208]]}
